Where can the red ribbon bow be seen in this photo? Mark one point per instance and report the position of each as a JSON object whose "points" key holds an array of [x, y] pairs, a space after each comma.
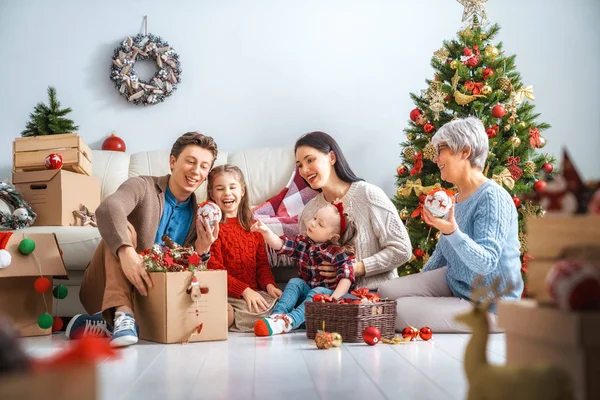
{"points": [[340, 208]]}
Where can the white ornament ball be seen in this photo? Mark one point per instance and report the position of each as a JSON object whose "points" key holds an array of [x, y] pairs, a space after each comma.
{"points": [[5, 259], [438, 203], [20, 213], [574, 285], [210, 211]]}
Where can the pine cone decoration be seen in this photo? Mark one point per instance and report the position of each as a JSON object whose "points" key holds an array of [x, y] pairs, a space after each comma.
{"points": [[529, 167], [504, 83], [168, 241], [409, 153], [429, 151]]}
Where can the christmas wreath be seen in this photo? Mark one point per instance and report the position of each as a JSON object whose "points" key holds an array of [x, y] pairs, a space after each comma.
{"points": [[22, 214], [145, 47]]}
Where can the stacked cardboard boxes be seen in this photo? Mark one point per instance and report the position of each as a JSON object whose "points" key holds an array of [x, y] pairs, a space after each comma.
{"points": [[55, 194], [536, 330]]}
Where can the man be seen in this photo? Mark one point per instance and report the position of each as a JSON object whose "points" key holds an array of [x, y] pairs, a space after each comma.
{"points": [[132, 219]]}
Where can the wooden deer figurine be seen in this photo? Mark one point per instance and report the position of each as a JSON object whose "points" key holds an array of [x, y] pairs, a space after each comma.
{"points": [[492, 382]]}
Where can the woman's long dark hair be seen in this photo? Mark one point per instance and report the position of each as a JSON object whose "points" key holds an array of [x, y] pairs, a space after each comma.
{"points": [[324, 143]]}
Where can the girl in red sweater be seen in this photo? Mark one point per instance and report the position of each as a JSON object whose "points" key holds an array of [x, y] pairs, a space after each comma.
{"points": [[250, 283]]}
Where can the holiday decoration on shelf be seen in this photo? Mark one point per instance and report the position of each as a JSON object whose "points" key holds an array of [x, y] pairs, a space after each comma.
{"points": [[145, 47], [574, 285], [172, 258], [490, 381], [473, 76], [210, 211], [114, 143], [5, 257], [53, 161], [371, 335], [22, 214], [49, 119]]}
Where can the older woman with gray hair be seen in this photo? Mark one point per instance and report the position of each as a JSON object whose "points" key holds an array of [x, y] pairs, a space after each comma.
{"points": [[479, 237]]}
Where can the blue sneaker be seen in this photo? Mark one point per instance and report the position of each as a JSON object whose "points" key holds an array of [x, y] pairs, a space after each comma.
{"points": [[87, 325], [125, 332]]}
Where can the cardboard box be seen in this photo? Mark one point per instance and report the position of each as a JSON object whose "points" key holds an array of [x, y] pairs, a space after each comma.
{"points": [[18, 300], [55, 194], [72, 383], [29, 153], [541, 334], [169, 315], [551, 238]]}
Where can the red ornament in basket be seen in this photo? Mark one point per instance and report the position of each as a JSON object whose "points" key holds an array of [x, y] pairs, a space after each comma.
{"points": [[364, 294], [323, 298], [53, 161], [574, 285]]}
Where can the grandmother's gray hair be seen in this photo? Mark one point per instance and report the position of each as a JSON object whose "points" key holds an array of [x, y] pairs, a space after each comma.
{"points": [[462, 134]]}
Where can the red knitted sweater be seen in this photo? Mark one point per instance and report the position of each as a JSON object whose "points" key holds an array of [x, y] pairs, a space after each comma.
{"points": [[243, 255]]}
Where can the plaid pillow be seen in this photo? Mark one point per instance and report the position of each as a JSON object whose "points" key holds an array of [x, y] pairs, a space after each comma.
{"points": [[280, 213]]}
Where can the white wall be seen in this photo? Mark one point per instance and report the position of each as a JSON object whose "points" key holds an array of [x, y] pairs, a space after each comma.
{"points": [[261, 73]]}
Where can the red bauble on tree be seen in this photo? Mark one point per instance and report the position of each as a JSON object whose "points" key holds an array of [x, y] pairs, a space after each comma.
{"points": [[428, 127], [401, 170], [414, 114], [547, 167], [539, 186], [419, 253], [517, 202], [53, 161], [499, 111], [491, 132], [113, 143]]}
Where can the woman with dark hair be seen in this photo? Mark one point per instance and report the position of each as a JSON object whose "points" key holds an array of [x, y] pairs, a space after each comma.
{"points": [[382, 243]]}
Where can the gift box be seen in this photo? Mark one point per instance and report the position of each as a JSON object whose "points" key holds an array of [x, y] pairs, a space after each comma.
{"points": [[18, 299], [553, 238], [56, 194], [543, 334], [170, 314], [29, 153], [64, 383]]}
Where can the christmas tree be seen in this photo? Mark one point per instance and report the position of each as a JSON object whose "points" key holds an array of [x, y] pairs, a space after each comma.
{"points": [[473, 77], [49, 120]]}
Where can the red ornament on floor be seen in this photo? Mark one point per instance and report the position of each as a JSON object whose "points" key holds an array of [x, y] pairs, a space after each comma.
{"points": [[425, 333], [53, 161], [42, 284], [114, 143], [371, 336], [410, 333]]}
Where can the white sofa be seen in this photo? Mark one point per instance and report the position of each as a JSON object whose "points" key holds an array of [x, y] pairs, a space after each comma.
{"points": [[267, 171]]}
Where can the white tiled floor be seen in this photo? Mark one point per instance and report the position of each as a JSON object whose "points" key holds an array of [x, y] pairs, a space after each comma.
{"points": [[283, 367]]}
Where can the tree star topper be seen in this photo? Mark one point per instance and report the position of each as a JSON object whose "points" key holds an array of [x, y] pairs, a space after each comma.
{"points": [[474, 8]]}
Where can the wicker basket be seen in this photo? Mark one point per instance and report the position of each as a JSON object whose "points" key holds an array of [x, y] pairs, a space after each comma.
{"points": [[350, 320]]}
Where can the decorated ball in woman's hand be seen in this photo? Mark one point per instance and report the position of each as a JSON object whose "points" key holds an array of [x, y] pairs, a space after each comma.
{"points": [[438, 203], [210, 211]]}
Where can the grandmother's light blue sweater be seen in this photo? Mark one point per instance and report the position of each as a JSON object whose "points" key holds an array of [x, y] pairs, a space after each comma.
{"points": [[486, 243]]}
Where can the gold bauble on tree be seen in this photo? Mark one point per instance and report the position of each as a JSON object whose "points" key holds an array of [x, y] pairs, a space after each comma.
{"points": [[454, 64], [409, 153], [522, 125], [438, 234], [515, 141], [421, 120], [485, 90], [411, 136], [542, 142], [491, 51], [429, 151], [404, 214], [529, 167], [507, 127]]}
